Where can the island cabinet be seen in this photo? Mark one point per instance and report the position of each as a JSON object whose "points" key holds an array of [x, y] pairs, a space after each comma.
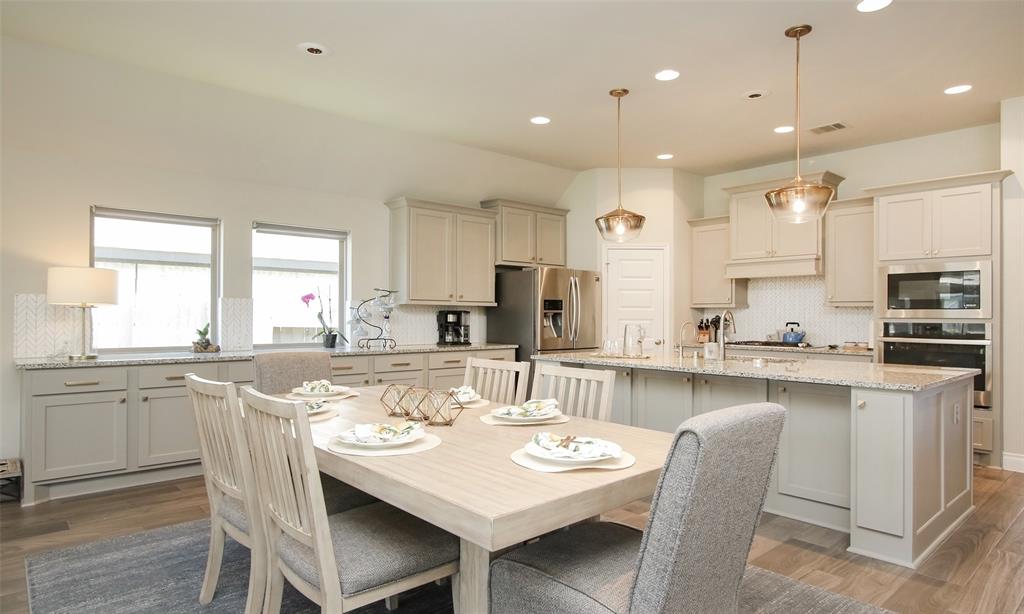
{"points": [[709, 253], [622, 395], [663, 399], [442, 254], [711, 392], [849, 253], [528, 234]]}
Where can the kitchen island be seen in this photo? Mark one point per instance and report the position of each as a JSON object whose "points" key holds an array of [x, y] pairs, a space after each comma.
{"points": [[882, 452]]}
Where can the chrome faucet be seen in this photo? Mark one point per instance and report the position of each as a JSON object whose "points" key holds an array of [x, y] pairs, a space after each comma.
{"points": [[682, 327], [727, 320]]}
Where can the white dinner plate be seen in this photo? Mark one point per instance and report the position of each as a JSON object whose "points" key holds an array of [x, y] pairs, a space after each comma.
{"points": [[551, 413], [377, 445], [335, 391], [614, 451]]}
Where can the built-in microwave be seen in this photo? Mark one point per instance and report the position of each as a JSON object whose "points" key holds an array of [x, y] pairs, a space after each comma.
{"points": [[961, 290]]}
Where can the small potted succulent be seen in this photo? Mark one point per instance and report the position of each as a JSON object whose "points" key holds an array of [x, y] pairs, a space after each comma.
{"points": [[327, 332], [203, 345]]}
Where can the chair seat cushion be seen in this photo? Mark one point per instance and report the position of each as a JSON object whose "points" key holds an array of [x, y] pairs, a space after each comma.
{"points": [[583, 570], [338, 497], [373, 545]]}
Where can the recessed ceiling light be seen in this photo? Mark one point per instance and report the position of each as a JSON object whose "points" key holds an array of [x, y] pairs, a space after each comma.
{"points": [[540, 120], [313, 48], [783, 129], [870, 6], [666, 75], [755, 94], [665, 156], [957, 89]]}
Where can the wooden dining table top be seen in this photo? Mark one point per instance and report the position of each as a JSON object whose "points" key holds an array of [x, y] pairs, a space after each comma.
{"points": [[469, 486]]}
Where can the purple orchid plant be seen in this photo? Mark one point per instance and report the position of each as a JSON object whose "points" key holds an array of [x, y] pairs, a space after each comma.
{"points": [[325, 325]]}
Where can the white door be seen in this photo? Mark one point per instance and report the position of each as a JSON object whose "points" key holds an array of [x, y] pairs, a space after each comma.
{"points": [[636, 286]]}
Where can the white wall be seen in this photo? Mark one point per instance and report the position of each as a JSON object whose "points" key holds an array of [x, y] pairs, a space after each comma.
{"points": [[80, 131], [689, 204], [938, 155], [1012, 158]]}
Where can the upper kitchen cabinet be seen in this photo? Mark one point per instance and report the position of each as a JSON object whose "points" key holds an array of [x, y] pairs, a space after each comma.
{"points": [[951, 217], [442, 254], [849, 253], [709, 245], [528, 234], [760, 245]]}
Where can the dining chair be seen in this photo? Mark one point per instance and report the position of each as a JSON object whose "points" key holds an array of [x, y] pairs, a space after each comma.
{"points": [[342, 561], [230, 486], [280, 372], [498, 381], [586, 393], [692, 555]]}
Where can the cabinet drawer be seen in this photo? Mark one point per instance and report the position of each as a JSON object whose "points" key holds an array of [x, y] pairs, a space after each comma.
{"points": [[982, 434], [161, 376], [496, 354], [352, 380], [444, 379], [240, 371], [407, 378], [79, 380], [448, 360], [398, 362], [350, 365]]}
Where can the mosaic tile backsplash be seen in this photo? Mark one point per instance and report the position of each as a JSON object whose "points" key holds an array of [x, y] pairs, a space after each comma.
{"points": [[42, 330], [235, 324], [777, 300]]}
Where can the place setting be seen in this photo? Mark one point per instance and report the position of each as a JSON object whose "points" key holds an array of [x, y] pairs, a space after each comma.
{"points": [[383, 439], [321, 398], [533, 412], [555, 453], [468, 397]]}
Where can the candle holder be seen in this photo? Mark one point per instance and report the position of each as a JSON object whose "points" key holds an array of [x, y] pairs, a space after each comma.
{"points": [[435, 407]]}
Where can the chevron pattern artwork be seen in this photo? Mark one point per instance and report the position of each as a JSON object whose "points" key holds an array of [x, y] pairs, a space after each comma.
{"points": [[42, 330]]}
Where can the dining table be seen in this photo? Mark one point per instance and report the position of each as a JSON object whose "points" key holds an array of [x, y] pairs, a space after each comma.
{"points": [[469, 486]]}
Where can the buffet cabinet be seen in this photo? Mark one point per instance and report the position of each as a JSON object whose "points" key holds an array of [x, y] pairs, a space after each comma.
{"points": [[88, 429]]}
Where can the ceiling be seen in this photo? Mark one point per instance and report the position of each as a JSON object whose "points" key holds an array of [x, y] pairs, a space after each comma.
{"points": [[474, 73]]}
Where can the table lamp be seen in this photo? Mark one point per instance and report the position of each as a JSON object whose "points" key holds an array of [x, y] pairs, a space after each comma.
{"points": [[82, 287]]}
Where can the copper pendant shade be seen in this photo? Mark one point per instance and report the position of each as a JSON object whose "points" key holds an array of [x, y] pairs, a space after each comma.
{"points": [[619, 225], [799, 201]]}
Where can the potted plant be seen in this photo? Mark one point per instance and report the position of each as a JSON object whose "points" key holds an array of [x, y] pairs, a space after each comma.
{"points": [[203, 345], [327, 332]]}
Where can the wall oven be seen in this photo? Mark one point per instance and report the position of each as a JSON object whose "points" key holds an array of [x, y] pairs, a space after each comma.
{"points": [[966, 345], [937, 290]]}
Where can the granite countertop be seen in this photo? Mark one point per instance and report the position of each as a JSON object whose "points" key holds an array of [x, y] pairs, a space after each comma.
{"points": [[818, 349], [832, 372], [170, 358]]}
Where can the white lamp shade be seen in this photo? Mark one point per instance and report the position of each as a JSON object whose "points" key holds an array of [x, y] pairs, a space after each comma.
{"points": [[81, 286]]}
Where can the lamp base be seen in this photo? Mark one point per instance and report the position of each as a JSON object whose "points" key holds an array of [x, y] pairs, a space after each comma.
{"points": [[78, 357]]}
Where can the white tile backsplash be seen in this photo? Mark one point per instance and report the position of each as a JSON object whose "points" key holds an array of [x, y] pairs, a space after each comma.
{"points": [[777, 300], [415, 324], [42, 330], [235, 324]]}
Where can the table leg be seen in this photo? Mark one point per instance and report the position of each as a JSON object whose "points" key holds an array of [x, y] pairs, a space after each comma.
{"points": [[472, 587]]}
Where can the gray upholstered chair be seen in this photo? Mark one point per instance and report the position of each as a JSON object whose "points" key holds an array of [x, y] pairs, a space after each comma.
{"points": [[279, 372], [693, 553], [343, 561]]}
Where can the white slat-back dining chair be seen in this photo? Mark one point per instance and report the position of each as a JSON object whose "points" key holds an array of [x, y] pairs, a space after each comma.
{"points": [[586, 393], [498, 381], [230, 486], [342, 561]]}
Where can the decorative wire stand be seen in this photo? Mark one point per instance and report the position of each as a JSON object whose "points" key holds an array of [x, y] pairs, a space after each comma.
{"points": [[383, 338]]}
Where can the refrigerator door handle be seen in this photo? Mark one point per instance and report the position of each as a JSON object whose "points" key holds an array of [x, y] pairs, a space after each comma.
{"points": [[579, 311], [570, 311]]}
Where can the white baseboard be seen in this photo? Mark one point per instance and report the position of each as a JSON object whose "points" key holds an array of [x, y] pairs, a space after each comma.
{"points": [[1013, 462]]}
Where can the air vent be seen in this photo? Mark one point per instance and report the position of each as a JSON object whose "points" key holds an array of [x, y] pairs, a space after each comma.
{"points": [[828, 128]]}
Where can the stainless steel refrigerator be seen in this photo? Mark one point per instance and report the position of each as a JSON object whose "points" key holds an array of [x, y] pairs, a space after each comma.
{"points": [[547, 309]]}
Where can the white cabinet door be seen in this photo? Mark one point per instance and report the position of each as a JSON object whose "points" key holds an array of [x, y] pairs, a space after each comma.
{"points": [[795, 239], [719, 391], [962, 221], [956, 416], [710, 252], [878, 425], [167, 427], [518, 238], [78, 434], [849, 256], [622, 394], [662, 400], [750, 226], [431, 238], [550, 239], [814, 448], [474, 260], [904, 227]]}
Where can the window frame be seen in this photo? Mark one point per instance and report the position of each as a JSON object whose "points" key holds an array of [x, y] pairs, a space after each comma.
{"points": [[214, 224], [342, 291]]}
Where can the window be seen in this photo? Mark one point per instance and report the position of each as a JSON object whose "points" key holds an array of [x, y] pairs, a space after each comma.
{"points": [[296, 272], [167, 278]]}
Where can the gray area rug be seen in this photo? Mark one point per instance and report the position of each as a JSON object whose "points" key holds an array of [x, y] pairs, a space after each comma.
{"points": [[162, 570]]}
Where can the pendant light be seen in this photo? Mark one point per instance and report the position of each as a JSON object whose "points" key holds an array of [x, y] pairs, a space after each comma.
{"points": [[619, 225], [799, 201]]}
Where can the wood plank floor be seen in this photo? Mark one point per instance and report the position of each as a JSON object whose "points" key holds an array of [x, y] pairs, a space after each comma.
{"points": [[979, 569]]}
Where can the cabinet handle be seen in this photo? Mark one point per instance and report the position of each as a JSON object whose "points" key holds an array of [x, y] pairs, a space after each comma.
{"points": [[145, 399], [687, 380], [122, 400], [380, 380], [366, 381], [172, 378], [925, 252], [862, 404], [453, 362], [400, 364], [540, 260], [343, 368], [783, 389], [830, 297], [461, 295], [935, 252], [83, 382], [705, 382], [451, 296]]}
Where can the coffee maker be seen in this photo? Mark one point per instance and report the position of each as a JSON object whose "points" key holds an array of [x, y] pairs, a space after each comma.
{"points": [[453, 327]]}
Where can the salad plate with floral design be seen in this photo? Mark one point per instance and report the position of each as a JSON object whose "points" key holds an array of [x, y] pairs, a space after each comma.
{"points": [[530, 411], [571, 449], [381, 435]]}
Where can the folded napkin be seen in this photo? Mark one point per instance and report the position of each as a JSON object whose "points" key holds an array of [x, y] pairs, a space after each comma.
{"points": [[529, 409], [464, 393], [567, 446], [381, 432]]}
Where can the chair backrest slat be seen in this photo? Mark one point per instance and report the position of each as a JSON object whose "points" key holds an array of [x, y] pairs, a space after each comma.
{"points": [[279, 372], [498, 381], [586, 393], [705, 510]]}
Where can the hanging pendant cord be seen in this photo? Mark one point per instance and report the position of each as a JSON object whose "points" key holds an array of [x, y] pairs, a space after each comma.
{"points": [[618, 143], [797, 122]]}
